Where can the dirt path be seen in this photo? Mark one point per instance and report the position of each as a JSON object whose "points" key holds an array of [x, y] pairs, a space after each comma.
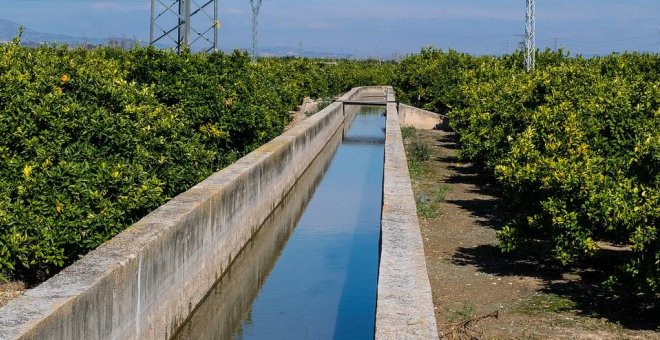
{"points": [[469, 275]]}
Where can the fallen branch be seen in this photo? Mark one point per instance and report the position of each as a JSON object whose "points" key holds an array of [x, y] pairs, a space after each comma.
{"points": [[464, 330]]}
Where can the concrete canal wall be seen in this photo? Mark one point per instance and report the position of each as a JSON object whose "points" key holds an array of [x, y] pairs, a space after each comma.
{"points": [[223, 309], [421, 119], [145, 282], [405, 305]]}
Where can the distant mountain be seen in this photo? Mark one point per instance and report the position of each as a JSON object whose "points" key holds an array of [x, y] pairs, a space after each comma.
{"points": [[9, 30]]}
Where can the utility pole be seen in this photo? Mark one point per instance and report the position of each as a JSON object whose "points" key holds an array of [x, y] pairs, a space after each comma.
{"points": [[183, 36], [190, 24], [256, 6], [530, 34], [521, 43]]}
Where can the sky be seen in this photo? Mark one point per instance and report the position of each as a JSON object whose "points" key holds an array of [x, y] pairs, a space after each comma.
{"points": [[374, 28]]}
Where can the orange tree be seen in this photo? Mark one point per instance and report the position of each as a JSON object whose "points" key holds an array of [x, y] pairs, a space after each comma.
{"points": [[574, 145], [92, 140]]}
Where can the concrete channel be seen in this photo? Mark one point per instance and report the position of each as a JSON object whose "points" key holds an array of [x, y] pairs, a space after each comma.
{"points": [[146, 282]]}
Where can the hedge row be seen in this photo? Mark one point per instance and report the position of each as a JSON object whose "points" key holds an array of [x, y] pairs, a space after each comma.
{"points": [[92, 140], [575, 145]]}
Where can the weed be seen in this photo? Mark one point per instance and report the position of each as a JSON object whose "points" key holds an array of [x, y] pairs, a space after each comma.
{"points": [[408, 132], [419, 151], [440, 195], [541, 304], [426, 207], [321, 104], [415, 169], [468, 311]]}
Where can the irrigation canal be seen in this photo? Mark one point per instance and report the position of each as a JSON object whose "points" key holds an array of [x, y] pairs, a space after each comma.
{"points": [[311, 271]]}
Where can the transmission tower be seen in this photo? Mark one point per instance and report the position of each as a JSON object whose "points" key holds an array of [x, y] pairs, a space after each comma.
{"points": [[256, 6], [185, 23], [530, 35]]}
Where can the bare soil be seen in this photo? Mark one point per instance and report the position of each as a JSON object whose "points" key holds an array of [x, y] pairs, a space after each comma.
{"points": [[10, 291], [479, 292]]}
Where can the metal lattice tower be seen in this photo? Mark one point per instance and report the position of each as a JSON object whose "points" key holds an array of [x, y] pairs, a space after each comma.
{"points": [[185, 23], [256, 6], [530, 35]]}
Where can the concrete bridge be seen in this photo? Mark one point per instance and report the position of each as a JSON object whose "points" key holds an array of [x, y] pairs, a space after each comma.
{"points": [[363, 102]]}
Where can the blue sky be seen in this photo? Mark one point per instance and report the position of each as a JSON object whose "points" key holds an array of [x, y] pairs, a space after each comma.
{"points": [[369, 27]]}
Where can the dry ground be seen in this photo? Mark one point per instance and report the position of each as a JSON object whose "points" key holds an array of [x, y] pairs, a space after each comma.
{"points": [[470, 277], [10, 291]]}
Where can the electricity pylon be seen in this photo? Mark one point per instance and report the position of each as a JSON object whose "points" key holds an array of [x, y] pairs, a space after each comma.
{"points": [[256, 6], [186, 23], [530, 34]]}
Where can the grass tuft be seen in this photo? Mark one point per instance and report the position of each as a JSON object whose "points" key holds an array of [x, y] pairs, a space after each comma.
{"points": [[408, 132], [543, 304], [467, 311]]}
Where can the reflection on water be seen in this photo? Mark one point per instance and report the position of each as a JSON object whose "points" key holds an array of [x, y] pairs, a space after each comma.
{"points": [[317, 280]]}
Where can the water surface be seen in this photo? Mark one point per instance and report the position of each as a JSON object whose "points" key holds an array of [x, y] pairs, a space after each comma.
{"points": [[311, 271]]}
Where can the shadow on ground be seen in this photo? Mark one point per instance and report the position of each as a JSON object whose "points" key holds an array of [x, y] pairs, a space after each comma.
{"points": [[487, 208], [449, 141], [582, 285]]}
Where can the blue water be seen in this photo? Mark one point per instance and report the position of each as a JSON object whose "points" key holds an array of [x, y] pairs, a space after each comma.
{"points": [[324, 284], [321, 283]]}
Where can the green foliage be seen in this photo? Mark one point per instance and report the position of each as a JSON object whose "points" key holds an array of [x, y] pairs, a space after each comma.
{"points": [[426, 207], [441, 194], [575, 146], [541, 304], [430, 81], [419, 151], [92, 140], [415, 169], [408, 132], [467, 312]]}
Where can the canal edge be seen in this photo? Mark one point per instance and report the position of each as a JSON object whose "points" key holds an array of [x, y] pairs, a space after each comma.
{"points": [[404, 308]]}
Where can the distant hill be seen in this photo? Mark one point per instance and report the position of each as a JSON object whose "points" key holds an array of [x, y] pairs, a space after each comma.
{"points": [[30, 37], [9, 30], [292, 52]]}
